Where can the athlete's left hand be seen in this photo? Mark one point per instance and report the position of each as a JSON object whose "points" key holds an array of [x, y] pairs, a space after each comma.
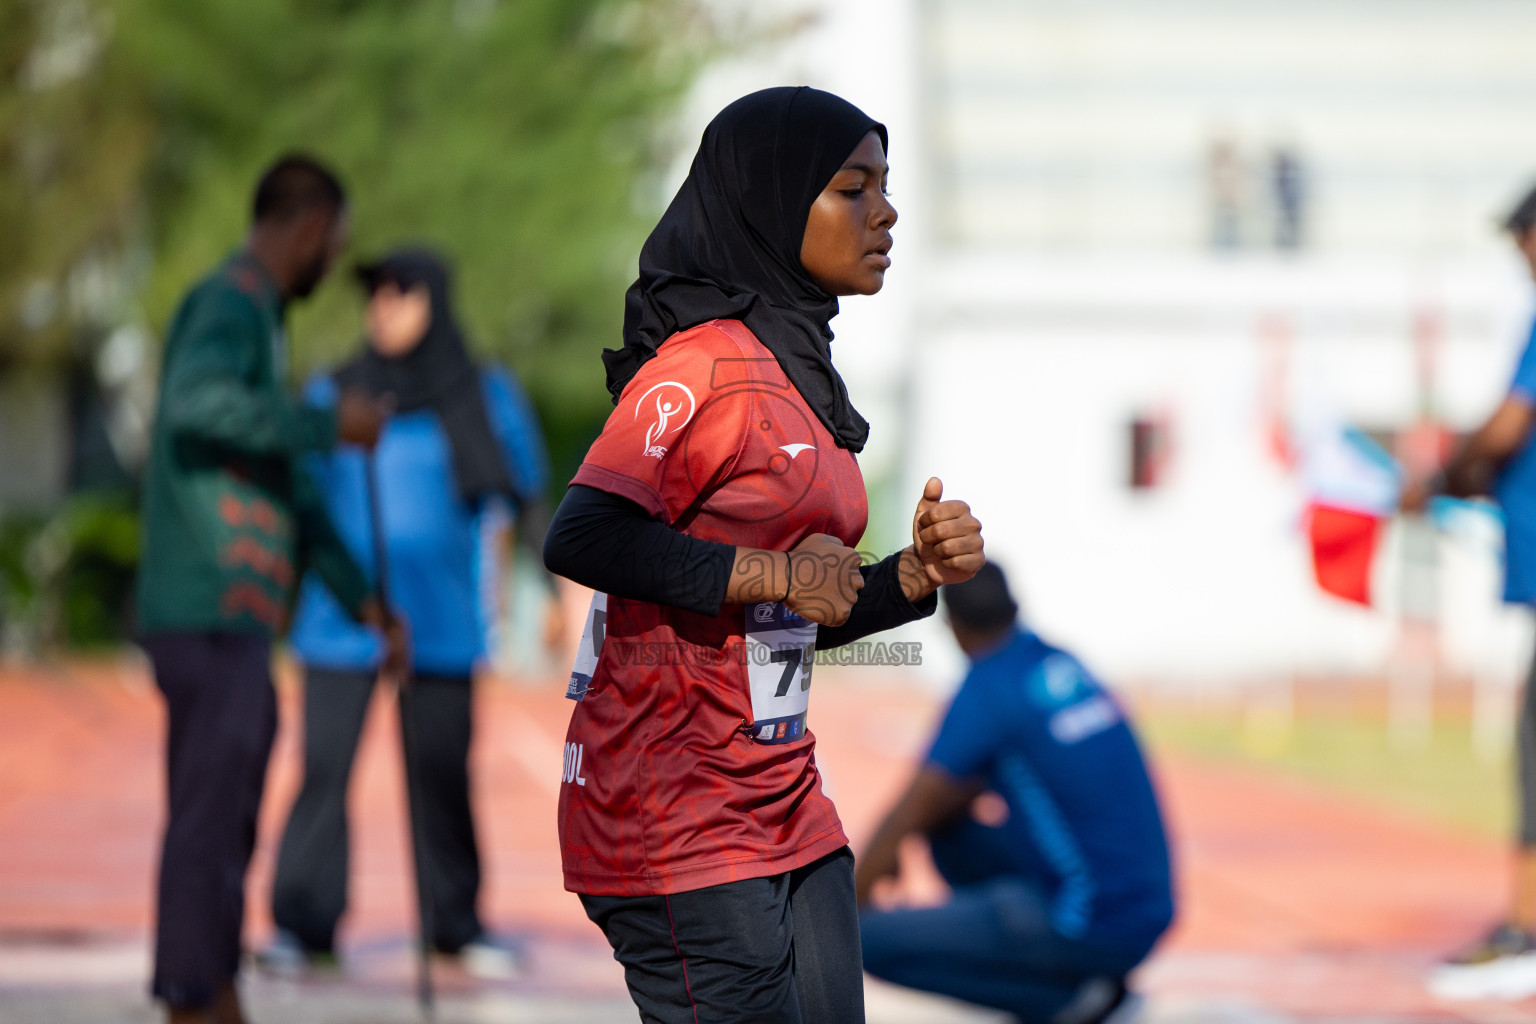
{"points": [[946, 538]]}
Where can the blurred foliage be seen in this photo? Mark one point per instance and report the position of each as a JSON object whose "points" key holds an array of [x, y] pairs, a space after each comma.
{"points": [[75, 138], [524, 137], [66, 579]]}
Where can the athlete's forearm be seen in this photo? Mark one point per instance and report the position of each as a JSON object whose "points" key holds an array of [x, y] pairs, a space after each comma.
{"points": [[758, 574], [915, 583], [611, 544], [885, 602]]}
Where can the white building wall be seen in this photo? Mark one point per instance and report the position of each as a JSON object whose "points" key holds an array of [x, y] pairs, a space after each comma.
{"points": [[1207, 575], [1085, 124], [1052, 281]]}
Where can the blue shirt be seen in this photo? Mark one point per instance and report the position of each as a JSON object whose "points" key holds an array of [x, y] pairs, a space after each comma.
{"points": [[441, 559], [1516, 494], [1032, 724]]}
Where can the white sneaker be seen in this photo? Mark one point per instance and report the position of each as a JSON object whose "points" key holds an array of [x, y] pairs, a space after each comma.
{"points": [[286, 957], [1505, 977], [490, 959], [1502, 965]]}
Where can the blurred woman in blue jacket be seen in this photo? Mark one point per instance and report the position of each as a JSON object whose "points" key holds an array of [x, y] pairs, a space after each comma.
{"points": [[459, 460]]}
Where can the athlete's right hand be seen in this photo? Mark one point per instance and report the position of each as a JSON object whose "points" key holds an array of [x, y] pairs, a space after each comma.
{"points": [[824, 580]]}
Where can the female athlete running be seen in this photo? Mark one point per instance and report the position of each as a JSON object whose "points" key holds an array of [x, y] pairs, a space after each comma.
{"points": [[715, 518]]}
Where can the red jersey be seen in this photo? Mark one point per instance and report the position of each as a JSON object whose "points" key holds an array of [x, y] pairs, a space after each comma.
{"points": [[688, 763]]}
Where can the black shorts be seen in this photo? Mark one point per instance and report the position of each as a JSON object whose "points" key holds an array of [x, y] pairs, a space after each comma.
{"points": [[776, 950]]}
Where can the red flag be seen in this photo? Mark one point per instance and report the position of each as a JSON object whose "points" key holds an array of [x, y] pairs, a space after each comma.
{"points": [[1343, 548]]}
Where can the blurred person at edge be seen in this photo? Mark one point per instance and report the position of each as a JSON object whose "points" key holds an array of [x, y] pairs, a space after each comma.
{"points": [[1499, 460], [1041, 817], [460, 455], [231, 520]]}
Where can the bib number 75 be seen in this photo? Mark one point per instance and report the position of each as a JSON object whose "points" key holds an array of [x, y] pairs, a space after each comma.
{"points": [[780, 650]]}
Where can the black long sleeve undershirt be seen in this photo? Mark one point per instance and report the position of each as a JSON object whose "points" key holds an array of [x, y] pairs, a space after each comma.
{"points": [[882, 605], [611, 544]]}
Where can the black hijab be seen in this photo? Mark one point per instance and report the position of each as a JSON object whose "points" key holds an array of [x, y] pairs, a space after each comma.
{"points": [[436, 374], [729, 245]]}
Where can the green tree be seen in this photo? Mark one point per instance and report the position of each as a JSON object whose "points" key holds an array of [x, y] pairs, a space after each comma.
{"points": [[517, 135], [74, 143]]}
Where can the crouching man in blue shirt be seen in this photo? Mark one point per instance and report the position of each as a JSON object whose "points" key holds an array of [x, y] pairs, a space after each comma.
{"points": [[1056, 900]]}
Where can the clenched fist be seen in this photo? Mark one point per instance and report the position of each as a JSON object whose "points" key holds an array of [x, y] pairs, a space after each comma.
{"points": [[824, 580]]}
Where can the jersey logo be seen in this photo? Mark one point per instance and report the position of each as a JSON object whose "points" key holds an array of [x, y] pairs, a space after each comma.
{"points": [[1080, 721], [795, 449], [668, 407], [1057, 682]]}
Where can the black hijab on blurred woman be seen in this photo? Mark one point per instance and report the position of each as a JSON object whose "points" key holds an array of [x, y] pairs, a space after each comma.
{"points": [[729, 245], [437, 374]]}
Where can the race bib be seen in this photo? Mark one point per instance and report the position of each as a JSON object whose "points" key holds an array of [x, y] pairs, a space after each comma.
{"points": [[592, 636], [781, 648]]}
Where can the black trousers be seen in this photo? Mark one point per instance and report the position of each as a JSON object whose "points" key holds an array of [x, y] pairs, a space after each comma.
{"points": [[776, 950], [309, 893], [222, 717]]}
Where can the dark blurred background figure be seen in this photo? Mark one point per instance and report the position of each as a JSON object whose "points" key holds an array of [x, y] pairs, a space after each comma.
{"points": [[230, 520], [459, 462], [1499, 460], [1224, 191], [1288, 192], [1040, 815]]}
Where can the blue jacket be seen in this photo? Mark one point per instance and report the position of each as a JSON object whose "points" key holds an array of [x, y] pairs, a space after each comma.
{"points": [[441, 560]]}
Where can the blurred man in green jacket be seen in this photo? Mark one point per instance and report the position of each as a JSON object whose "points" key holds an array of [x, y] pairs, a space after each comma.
{"points": [[231, 521]]}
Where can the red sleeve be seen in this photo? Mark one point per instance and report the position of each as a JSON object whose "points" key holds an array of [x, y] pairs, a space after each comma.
{"points": [[667, 442]]}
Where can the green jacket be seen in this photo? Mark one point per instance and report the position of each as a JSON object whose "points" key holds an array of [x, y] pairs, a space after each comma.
{"points": [[231, 520]]}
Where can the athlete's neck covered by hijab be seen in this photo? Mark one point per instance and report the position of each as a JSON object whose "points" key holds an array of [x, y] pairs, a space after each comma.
{"points": [[729, 245], [437, 374]]}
